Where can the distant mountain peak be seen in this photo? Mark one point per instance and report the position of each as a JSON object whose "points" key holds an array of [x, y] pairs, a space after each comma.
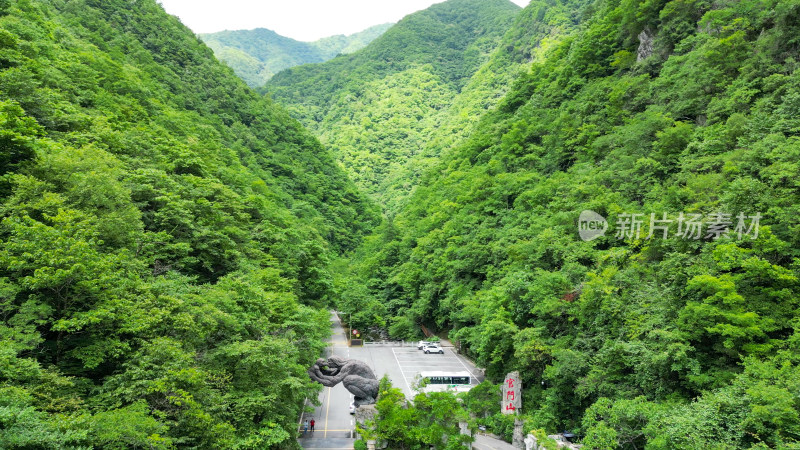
{"points": [[256, 55], [378, 108]]}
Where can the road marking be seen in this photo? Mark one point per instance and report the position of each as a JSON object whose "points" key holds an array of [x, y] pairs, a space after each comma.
{"points": [[439, 364], [432, 357], [432, 367], [465, 366], [430, 362], [334, 430], [434, 360], [327, 412], [399, 366]]}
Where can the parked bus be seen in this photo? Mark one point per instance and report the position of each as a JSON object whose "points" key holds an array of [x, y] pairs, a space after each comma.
{"points": [[438, 381]]}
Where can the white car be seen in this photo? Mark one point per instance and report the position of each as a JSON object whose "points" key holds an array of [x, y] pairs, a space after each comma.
{"points": [[433, 348], [352, 407]]}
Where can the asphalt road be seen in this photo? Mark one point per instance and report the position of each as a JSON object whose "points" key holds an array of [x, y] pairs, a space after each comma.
{"points": [[483, 442], [333, 420]]}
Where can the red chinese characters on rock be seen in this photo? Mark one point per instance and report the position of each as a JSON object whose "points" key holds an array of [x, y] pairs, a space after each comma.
{"points": [[512, 394]]}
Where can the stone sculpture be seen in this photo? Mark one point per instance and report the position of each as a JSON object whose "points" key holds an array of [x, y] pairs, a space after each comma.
{"points": [[355, 375]]}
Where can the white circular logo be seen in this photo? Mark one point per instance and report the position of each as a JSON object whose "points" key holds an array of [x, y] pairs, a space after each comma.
{"points": [[591, 225]]}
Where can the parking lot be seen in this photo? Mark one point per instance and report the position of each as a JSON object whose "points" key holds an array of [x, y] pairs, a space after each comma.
{"points": [[334, 424], [411, 361], [402, 364]]}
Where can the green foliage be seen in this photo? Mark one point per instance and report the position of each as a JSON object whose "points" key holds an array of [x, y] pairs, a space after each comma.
{"points": [[16, 137], [430, 421], [754, 411], [388, 110], [257, 55], [166, 232], [614, 424], [631, 343], [128, 427], [483, 400]]}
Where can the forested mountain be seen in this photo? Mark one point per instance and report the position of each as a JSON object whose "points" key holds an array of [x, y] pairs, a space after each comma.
{"points": [[257, 55], [165, 237], [167, 232], [331, 46], [683, 113], [378, 108]]}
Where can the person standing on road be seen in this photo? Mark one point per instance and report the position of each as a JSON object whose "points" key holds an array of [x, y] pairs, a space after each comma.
{"points": [[305, 427], [312, 425]]}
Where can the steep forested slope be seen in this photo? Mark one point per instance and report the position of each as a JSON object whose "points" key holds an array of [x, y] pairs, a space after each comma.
{"points": [[165, 234], [688, 340], [534, 30], [378, 108], [257, 55]]}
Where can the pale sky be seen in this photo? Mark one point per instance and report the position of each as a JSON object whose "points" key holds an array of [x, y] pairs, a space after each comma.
{"points": [[304, 20]]}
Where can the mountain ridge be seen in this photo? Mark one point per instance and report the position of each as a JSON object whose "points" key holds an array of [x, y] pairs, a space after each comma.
{"points": [[377, 108], [172, 241], [256, 55]]}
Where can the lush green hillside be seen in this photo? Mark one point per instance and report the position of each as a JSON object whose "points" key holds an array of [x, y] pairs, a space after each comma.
{"points": [[534, 29], [166, 232], [165, 236], [331, 46], [257, 55], [379, 108], [664, 343]]}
